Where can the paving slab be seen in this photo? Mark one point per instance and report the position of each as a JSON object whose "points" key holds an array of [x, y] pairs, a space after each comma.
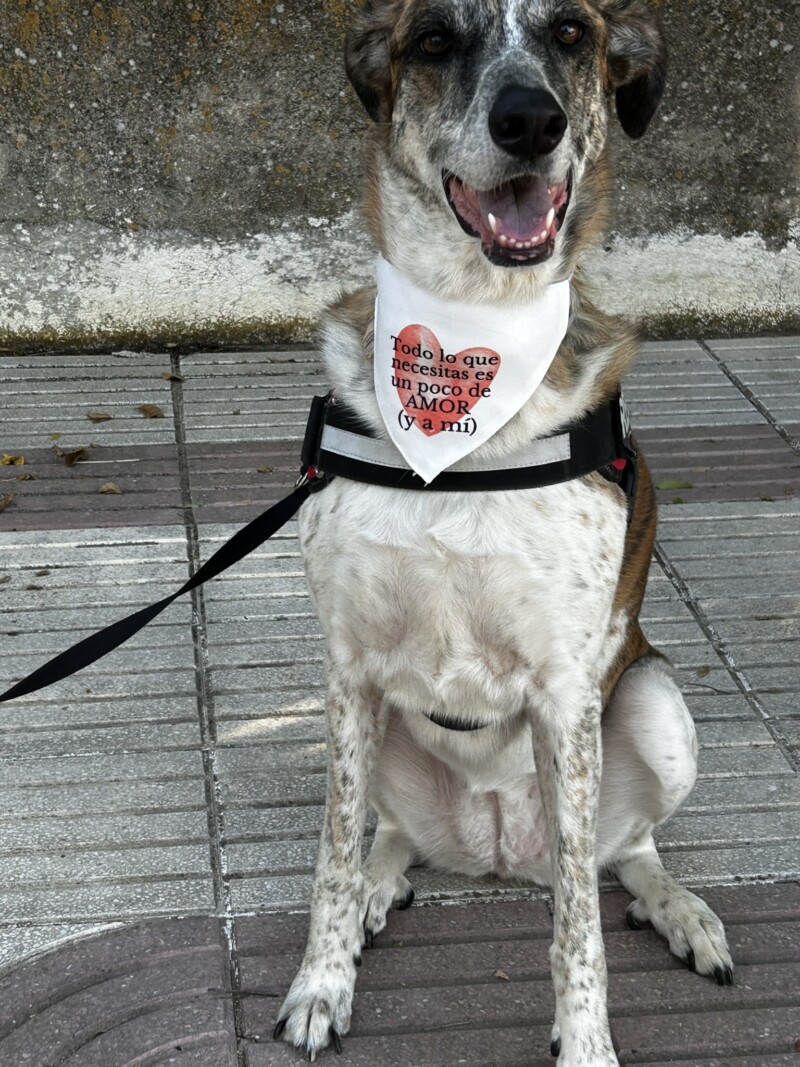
{"points": [[766, 370], [154, 993], [470, 985], [48, 398]]}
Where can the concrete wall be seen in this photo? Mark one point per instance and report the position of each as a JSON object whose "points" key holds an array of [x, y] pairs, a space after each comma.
{"points": [[188, 170]]}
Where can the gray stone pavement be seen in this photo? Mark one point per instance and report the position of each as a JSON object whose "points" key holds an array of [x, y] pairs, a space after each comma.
{"points": [[167, 800]]}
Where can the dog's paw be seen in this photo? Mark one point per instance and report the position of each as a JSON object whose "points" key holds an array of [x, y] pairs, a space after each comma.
{"points": [[316, 1012], [582, 1039], [694, 933], [379, 899], [595, 1051], [588, 1059]]}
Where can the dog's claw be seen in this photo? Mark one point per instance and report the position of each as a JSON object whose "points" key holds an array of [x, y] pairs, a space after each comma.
{"points": [[723, 975], [406, 902], [280, 1026], [369, 938], [357, 960], [689, 960], [336, 1041], [631, 920], [555, 1047]]}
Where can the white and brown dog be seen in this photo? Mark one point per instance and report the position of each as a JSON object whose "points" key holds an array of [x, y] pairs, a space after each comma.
{"points": [[514, 613]]}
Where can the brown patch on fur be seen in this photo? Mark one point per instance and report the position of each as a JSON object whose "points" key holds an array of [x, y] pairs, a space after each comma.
{"points": [[354, 309], [590, 330], [371, 206], [633, 577], [357, 311], [372, 55]]}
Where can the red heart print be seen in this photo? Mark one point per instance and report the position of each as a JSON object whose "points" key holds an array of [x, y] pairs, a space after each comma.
{"points": [[437, 386]]}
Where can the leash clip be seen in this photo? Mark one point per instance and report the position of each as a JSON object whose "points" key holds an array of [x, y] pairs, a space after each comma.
{"points": [[312, 477]]}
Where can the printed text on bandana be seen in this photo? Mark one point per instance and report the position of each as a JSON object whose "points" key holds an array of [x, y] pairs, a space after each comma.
{"points": [[448, 375], [440, 391]]}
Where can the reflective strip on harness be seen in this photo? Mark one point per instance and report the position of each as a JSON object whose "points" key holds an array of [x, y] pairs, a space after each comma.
{"points": [[383, 453]]}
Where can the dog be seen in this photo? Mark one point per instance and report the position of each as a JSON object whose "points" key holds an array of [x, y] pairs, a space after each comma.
{"points": [[489, 689]]}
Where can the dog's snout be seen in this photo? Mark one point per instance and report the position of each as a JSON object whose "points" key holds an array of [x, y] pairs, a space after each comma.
{"points": [[527, 122]]}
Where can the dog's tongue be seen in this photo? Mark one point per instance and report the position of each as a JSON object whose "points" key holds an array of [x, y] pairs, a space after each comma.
{"points": [[520, 208]]}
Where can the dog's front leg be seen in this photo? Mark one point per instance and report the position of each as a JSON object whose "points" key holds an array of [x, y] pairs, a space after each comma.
{"points": [[567, 750], [316, 1011]]}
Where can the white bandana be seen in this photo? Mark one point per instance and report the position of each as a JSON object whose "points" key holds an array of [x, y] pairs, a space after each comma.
{"points": [[449, 375]]}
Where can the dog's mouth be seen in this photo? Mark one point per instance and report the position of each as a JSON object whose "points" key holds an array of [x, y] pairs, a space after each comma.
{"points": [[517, 222]]}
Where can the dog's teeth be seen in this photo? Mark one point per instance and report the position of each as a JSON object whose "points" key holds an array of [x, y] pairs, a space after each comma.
{"points": [[551, 214], [503, 240], [543, 235], [512, 242], [492, 223]]}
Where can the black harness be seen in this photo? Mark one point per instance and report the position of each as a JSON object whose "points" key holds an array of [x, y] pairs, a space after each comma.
{"points": [[338, 444]]}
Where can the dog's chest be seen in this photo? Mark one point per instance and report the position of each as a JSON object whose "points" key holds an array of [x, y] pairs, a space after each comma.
{"points": [[456, 601]]}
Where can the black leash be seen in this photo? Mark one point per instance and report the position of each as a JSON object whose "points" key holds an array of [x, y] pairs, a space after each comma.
{"points": [[93, 647], [600, 442]]}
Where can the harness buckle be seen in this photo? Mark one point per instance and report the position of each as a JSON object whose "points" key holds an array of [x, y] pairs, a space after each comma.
{"points": [[312, 477]]}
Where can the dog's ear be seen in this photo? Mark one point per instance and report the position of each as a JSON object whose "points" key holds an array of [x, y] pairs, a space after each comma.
{"points": [[367, 58], [637, 62]]}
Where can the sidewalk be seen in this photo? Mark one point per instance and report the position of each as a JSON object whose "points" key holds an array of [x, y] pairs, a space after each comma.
{"points": [[167, 801]]}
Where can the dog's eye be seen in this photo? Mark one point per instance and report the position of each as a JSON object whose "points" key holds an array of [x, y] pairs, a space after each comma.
{"points": [[435, 43], [570, 32]]}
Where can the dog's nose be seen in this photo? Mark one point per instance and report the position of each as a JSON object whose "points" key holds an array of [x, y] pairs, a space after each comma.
{"points": [[526, 122]]}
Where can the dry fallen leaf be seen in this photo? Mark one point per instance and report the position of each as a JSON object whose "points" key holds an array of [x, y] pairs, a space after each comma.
{"points": [[265, 469], [54, 436], [26, 476], [12, 461], [4, 578], [71, 458], [168, 376], [502, 975], [42, 573], [99, 416], [151, 411], [110, 487], [703, 672], [6, 501]]}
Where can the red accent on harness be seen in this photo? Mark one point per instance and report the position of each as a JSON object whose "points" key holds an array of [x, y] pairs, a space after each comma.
{"points": [[619, 464], [311, 473]]}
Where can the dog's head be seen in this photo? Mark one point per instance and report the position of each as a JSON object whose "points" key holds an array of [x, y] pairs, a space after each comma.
{"points": [[497, 109]]}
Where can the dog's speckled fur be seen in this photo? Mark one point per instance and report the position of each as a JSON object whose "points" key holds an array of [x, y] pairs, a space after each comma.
{"points": [[514, 610]]}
